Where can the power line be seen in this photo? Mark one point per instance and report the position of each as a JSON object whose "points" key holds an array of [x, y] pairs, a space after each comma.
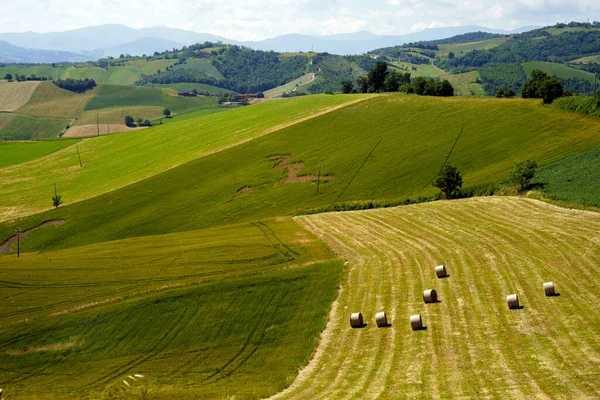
{"points": [[357, 171]]}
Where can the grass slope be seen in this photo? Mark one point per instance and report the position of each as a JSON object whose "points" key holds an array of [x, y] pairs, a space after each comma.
{"points": [[99, 75], [560, 70], [465, 84], [150, 67], [123, 75], [23, 127], [587, 60], [118, 160], [15, 94], [229, 312], [110, 96], [474, 346], [49, 100], [185, 86], [38, 70], [574, 179], [13, 153], [202, 66], [416, 134], [462, 48], [290, 86], [117, 115], [427, 70]]}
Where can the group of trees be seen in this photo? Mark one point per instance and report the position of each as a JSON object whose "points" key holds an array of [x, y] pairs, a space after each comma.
{"points": [[540, 85], [380, 79], [23, 78], [76, 85], [538, 45], [449, 179]]}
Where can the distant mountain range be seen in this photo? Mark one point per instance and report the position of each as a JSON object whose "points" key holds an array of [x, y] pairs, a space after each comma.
{"points": [[96, 42]]}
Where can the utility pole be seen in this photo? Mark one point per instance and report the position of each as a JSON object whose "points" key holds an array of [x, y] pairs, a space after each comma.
{"points": [[79, 155], [97, 124], [319, 177], [18, 230]]}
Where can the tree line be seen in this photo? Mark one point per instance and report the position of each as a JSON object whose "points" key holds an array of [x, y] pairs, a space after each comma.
{"points": [[76, 85], [380, 79]]}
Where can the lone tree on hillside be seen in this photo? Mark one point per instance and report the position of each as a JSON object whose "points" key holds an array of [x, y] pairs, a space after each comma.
{"points": [[129, 120], [376, 76], [57, 198], [8, 77], [542, 86], [449, 181], [523, 173], [167, 113], [260, 95]]}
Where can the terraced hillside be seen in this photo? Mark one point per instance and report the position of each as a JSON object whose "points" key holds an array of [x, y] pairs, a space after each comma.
{"points": [[228, 312], [474, 346]]}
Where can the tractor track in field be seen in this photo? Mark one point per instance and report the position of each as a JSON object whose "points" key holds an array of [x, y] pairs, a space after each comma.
{"points": [[474, 346]]}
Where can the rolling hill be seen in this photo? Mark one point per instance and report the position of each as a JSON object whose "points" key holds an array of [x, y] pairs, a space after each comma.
{"points": [[414, 134], [491, 247]]}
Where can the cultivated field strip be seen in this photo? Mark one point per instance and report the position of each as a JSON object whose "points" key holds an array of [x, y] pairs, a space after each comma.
{"points": [[474, 346], [16, 94]]}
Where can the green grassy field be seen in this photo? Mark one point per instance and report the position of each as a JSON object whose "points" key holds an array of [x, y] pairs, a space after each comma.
{"points": [[150, 67], [15, 94], [202, 66], [110, 96], [5, 119], [49, 100], [465, 84], [206, 192], [558, 31], [123, 75], [38, 70], [117, 115], [194, 114], [184, 86], [290, 86], [474, 346], [13, 153], [462, 48], [99, 75], [560, 70], [421, 69], [587, 60], [118, 160], [22, 127], [573, 179], [228, 312]]}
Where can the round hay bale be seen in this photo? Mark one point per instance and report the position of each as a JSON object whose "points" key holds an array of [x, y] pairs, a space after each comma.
{"points": [[430, 296], [513, 301], [416, 322], [440, 271], [381, 320], [356, 320], [549, 289]]}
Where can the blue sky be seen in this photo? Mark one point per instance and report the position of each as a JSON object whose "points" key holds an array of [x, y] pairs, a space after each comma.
{"points": [[259, 19]]}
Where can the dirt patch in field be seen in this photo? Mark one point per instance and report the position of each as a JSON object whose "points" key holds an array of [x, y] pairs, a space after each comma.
{"points": [[258, 101], [14, 95], [6, 247], [293, 169], [92, 130], [245, 189], [49, 347]]}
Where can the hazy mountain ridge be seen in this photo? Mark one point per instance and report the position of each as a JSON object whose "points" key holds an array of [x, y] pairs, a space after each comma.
{"points": [[95, 42]]}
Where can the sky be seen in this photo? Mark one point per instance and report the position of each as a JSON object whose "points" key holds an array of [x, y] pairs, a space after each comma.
{"points": [[260, 19]]}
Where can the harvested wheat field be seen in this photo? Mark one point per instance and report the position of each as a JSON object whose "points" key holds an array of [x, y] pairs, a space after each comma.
{"points": [[15, 94], [93, 130], [474, 346]]}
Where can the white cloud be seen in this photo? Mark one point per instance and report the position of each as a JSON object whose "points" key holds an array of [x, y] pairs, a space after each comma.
{"points": [[258, 19]]}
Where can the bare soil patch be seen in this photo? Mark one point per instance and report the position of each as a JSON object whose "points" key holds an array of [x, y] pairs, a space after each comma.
{"points": [[293, 169], [6, 247], [92, 130]]}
